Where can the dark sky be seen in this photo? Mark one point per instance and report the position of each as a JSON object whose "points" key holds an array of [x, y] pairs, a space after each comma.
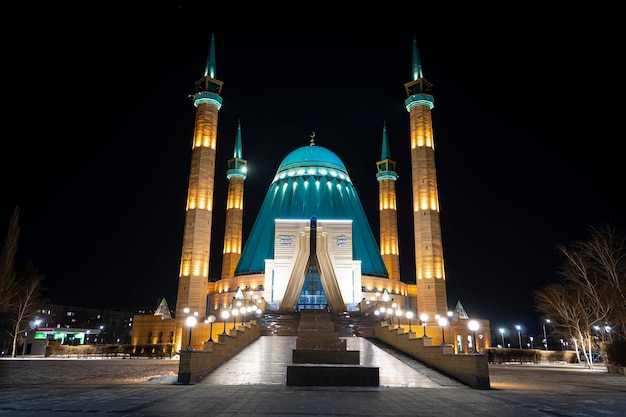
{"points": [[529, 101]]}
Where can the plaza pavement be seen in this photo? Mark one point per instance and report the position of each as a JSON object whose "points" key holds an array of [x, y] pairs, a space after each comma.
{"points": [[246, 386]]}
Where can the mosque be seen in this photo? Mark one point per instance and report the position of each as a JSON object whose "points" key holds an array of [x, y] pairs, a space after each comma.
{"points": [[311, 245]]}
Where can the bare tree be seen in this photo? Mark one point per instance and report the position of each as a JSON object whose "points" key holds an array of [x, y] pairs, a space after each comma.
{"points": [[7, 264], [593, 289], [568, 308], [27, 302], [607, 248]]}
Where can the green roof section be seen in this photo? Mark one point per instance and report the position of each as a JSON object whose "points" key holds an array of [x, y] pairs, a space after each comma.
{"points": [[311, 181]]}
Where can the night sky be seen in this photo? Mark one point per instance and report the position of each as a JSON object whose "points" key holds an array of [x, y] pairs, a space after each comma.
{"points": [[529, 104]]}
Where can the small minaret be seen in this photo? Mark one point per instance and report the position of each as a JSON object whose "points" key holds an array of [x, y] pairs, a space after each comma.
{"points": [[429, 266], [194, 264], [236, 175], [386, 176]]}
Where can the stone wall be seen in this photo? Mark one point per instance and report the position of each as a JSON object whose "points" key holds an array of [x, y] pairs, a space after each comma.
{"points": [[471, 369], [195, 364]]}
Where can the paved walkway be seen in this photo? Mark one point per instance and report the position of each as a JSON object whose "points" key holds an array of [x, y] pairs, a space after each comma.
{"points": [[242, 387]]}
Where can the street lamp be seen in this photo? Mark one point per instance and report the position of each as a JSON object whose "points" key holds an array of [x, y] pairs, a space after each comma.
{"points": [[473, 326], [519, 335], [36, 325], [382, 314], [443, 322], [424, 319], [399, 315], [409, 316], [531, 342], [210, 320], [191, 321], [545, 336], [502, 334], [225, 314], [235, 312], [242, 310]]}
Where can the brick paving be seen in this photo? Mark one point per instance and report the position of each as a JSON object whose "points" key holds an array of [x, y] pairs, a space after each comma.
{"points": [[146, 388]]}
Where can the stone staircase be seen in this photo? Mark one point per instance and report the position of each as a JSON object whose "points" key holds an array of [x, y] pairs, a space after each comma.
{"points": [[346, 324], [279, 324], [321, 357]]}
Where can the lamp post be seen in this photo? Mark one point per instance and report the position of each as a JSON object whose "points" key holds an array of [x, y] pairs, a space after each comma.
{"points": [[399, 315], [210, 320], [409, 316], [382, 314], [443, 322], [502, 334], [473, 326], [242, 310], [191, 321], [225, 315], [519, 335], [531, 342], [545, 337], [36, 325], [424, 319], [235, 313]]}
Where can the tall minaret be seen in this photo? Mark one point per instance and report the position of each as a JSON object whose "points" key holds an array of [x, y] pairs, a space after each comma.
{"points": [[236, 175], [430, 276], [194, 264], [386, 176]]}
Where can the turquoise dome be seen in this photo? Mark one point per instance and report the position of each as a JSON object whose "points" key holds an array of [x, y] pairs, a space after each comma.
{"points": [[311, 181]]}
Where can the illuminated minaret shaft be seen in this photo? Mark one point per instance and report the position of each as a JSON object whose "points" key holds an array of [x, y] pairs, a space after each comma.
{"points": [[429, 266], [194, 264], [236, 175], [386, 176]]}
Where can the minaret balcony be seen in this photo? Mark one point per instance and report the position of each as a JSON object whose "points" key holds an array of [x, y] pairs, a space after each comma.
{"points": [[206, 97], [419, 100]]}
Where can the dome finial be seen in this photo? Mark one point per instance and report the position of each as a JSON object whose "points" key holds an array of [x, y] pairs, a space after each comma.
{"points": [[312, 136]]}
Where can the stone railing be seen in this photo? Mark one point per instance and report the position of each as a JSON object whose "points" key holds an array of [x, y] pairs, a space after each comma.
{"points": [[195, 364], [471, 369]]}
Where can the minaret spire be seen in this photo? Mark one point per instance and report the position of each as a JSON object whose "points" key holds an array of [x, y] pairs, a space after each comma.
{"points": [[194, 265], [429, 265], [385, 154], [211, 68], [238, 151], [386, 176], [417, 63], [233, 231]]}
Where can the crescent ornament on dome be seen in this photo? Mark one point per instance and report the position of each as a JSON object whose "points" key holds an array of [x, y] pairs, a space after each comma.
{"points": [[312, 136]]}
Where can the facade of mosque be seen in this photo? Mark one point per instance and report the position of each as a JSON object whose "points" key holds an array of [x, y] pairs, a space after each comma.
{"points": [[311, 245]]}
